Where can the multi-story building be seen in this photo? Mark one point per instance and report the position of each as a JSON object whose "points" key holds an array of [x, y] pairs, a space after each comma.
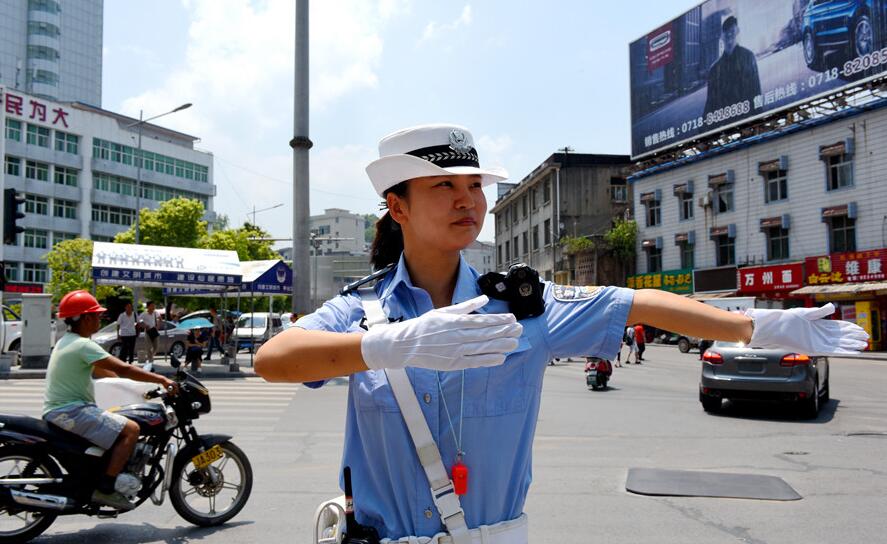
{"points": [[794, 216], [338, 231], [76, 166], [52, 51], [569, 194], [481, 256]]}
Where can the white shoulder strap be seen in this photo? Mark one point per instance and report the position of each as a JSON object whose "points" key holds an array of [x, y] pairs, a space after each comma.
{"points": [[442, 491]]}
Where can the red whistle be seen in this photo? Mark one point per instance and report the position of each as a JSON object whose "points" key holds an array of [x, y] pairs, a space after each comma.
{"points": [[460, 478]]}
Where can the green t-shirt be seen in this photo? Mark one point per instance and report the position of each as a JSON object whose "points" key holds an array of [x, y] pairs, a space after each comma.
{"points": [[69, 375]]}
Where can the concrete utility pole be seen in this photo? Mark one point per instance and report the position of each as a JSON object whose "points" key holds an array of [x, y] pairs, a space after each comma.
{"points": [[301, 144]]}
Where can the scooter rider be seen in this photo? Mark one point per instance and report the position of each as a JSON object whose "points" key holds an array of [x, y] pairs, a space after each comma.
{"points": [[69, 401], [473, 375]]}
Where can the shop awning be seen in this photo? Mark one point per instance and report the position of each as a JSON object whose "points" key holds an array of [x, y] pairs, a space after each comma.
{"points": [[271, 277], [160, 266], [842, 289]]}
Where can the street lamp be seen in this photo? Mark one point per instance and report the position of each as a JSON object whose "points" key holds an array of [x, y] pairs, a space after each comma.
{"points": [[139, 124], [255, 211]]}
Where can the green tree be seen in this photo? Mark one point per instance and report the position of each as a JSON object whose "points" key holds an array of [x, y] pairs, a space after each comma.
{"points": [[70, 264], [247, 241], [177, 222], [622, 238], [369, 224], [575, 244]]}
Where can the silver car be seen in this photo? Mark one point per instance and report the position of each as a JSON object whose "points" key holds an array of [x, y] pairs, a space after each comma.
{"points": [[171, 340], [732, 371]]}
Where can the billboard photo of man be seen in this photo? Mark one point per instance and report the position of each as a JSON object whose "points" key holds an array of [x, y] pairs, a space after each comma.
{"points": [[733, 78]]}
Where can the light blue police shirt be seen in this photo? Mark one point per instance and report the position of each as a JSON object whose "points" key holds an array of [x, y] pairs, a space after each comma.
{"points": [[501, 404]]}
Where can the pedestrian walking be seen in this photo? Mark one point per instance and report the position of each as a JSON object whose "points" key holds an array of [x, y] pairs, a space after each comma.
{"points": [[444, 382], [127, 333], [641, 341], [215, 339], [149, 321]]}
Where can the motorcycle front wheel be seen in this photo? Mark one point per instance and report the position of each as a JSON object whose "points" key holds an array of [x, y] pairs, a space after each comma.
{"points": [[215, 494], [21, 462]]}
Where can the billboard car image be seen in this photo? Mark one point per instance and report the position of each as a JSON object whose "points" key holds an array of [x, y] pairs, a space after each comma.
{"points": [[725, 62]]}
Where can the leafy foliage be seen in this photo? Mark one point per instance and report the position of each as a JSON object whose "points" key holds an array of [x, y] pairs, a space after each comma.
{"points": [[575, 244], [177, 223], [622, 238], [246, 241], [369, 232], [70, 263]]}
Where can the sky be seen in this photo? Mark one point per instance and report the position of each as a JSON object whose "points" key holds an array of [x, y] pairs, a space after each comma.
{"points": [[527, 78]]}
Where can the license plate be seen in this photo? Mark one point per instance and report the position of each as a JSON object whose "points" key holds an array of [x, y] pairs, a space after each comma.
{"points": [[210, 456]]}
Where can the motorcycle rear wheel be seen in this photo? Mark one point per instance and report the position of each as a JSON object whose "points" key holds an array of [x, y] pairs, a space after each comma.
{"points": [[24, 461], [191, 489]]}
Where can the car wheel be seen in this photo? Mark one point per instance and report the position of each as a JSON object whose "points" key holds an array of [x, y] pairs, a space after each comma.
{"points": [[15, 345], [812, 55], [177, 350], [710, 404], [810, 406], [115, 350], [684, 345], [825, 393], [863, 37]]}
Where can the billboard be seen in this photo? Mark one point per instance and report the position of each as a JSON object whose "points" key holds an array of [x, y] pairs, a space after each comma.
{"points": [[726, 62]]}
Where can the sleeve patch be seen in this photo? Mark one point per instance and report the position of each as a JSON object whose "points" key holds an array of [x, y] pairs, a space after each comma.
{"points": [[574, 293]]}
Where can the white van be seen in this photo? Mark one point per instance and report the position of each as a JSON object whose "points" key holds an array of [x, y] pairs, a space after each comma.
{"points": [[253, 330]]}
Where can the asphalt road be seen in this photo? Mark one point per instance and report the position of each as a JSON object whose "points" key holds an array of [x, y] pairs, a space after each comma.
{"points": [[585, 443]]}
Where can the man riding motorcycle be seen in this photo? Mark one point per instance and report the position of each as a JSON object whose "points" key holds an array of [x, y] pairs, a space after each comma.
{"points": [[69, 401]]}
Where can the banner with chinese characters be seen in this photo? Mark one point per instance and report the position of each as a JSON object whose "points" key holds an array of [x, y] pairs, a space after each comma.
{"points": [[676, 281], [770, 279], [32, 109], [130, 264], [850, 267]]}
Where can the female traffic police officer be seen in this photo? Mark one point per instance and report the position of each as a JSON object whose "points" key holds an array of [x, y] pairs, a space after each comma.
{"points": [[475, 372]]}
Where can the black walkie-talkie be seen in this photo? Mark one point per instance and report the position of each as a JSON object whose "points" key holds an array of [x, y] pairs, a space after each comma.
{"points": [[355, 533]]}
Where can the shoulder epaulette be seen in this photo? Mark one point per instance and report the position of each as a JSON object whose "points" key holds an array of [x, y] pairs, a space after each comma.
{"points": [[353, 286]]}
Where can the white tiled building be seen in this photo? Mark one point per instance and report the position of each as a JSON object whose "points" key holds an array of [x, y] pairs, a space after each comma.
{"points": [[76, 166], [810, 190]]}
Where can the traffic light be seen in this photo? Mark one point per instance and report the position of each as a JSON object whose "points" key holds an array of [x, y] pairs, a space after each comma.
{"points": [[11, 214]]}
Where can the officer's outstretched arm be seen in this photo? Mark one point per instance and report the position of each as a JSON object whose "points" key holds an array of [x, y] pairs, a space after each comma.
{"points": [[672, 312], [804, 330], [299, 355]]}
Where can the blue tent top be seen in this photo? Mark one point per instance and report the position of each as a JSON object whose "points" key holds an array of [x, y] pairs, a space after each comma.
{"points": [[271, 277]]}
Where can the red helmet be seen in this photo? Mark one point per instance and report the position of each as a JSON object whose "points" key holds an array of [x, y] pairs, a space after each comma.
{"points": [[78, 303]]}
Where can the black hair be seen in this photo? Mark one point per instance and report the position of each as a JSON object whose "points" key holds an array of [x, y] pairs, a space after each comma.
{"points": [[728, 23], [150, 302], [388, 242]]}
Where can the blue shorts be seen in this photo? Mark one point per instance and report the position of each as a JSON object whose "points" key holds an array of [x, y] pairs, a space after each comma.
{"points": [[90, 422]]}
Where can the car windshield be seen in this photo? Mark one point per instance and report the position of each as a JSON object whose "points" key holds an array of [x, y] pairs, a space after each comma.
{"points": [[722, 344], [254, 322]]}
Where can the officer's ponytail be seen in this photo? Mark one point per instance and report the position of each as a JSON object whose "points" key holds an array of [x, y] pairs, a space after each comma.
{"points": [[388, 242]]}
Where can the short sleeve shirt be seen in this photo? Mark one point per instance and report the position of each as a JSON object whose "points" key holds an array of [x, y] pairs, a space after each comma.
{"points": [[499, 408], [148, 319], [69, 374], [126, 324]]}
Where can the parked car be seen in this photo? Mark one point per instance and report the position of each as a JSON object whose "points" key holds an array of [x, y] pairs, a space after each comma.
{"points": [[731, 370], [171, 340], [840, 29], [205, 314], [253, 330]]}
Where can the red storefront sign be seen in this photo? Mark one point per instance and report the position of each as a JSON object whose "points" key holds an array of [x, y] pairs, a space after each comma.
{"points": [[850, 267], [32, 108], [23, 288], [770, 279]]}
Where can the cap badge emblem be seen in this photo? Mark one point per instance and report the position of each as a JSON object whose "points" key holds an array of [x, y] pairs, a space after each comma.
{"points": [[458, 141]]}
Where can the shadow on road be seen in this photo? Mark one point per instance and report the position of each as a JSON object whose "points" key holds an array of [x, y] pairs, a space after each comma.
{"points": [[776, 411], [131, 533]]}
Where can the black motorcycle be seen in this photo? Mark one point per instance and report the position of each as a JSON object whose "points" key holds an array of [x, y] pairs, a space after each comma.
{"points": [[208, 478]]}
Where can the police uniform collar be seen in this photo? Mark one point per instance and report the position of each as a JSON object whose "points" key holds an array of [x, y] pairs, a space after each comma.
{"points": [[466, 281]]}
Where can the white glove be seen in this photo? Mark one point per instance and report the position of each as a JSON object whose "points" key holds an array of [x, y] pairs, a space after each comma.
{"points": [[443, 339], [803, 330]]}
